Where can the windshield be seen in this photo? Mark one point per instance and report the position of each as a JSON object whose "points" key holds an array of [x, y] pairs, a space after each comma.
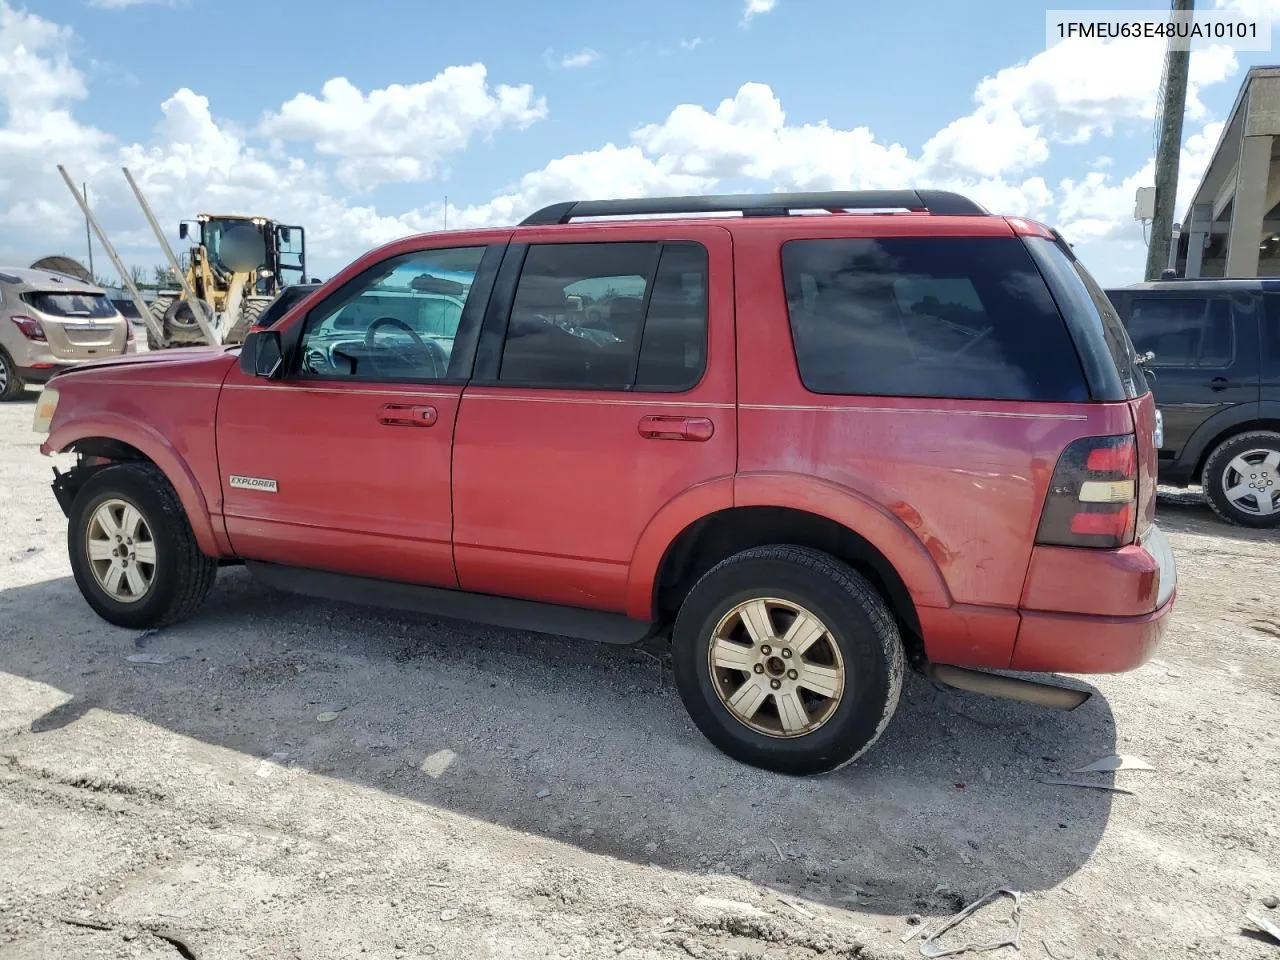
{"points": [[235, 245], [94, 306]]}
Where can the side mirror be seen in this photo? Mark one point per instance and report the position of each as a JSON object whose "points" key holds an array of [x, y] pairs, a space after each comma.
{"points": [[182, 230], [261, 354], [286, 235]]}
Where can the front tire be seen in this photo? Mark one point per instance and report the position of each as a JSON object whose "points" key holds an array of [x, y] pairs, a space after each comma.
{"points": [[132, 550], [1242, 479], [788, 659]]}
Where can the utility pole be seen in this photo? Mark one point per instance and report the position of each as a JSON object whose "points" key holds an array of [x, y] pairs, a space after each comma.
{"points": [[1168, 148], [88, 237], [446, 211]]}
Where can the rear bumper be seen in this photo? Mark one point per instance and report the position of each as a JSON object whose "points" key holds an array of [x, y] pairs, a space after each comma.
{"points": [[42, 373], [1105, 640], [1071, 643]]}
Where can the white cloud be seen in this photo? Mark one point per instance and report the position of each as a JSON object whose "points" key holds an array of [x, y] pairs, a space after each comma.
{"points": [[998, 153], [583, 58], [402, 132], [691, 44], [754, 8]]}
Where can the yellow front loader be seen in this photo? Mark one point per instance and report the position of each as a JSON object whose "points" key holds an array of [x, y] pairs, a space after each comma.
{"points": [[236, 266]]}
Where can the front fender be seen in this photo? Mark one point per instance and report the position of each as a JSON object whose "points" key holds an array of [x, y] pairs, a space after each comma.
{"points": [[155, 448]]}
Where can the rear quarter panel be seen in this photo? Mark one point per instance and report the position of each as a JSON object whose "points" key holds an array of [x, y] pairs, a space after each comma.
{"points": [[163, 404], [959, 484]]}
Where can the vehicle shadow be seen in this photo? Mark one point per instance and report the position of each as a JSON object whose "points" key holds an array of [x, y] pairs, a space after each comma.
{"points": [[1187, 511], [587, 744]]}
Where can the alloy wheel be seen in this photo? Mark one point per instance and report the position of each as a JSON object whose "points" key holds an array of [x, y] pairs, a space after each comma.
{"points": [[121, 551], [1251, 482], [776, 668]]}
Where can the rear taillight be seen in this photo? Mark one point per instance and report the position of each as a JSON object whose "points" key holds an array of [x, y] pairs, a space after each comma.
{"points": [[128, 329], [1093, 496], [30, 328]]}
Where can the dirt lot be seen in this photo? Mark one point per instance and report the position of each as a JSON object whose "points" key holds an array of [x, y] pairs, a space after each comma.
{"points": [[484, 793]]}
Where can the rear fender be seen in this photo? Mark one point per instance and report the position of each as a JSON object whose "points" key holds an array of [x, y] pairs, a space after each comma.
{"points": [[883, 530], [159, 451]]}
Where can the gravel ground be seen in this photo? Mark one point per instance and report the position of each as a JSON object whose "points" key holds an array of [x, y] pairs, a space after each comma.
{"points": [[483, 793]]}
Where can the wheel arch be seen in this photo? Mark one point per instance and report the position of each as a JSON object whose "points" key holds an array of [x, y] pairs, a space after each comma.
{"points": [[1221, 427], [113, 440], [1228, 433], [791, 509]]}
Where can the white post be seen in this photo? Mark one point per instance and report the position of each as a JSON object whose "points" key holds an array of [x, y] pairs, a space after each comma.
{"points": [[197, 307], [156, 331]]}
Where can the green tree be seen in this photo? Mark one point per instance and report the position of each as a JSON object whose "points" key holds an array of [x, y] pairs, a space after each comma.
{"points": [[164, 275]]}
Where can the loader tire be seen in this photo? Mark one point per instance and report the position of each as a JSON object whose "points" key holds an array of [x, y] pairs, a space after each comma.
{"points": [[158, 309]]}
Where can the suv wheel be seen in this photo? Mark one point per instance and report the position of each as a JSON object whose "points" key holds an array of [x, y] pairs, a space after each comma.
{"points": [[787, 659], [1242, 479], [132, 550], [11, 385]]}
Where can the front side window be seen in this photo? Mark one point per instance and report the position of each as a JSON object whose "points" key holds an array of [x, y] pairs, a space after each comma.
{"points": [[398, 321], [611, 316], [927, 317], [1183, 331]]}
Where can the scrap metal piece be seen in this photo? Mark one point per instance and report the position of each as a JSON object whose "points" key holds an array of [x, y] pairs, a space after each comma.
{"points": [[1117, 761], [1265, 925], [930, 948], [1057, 782]]}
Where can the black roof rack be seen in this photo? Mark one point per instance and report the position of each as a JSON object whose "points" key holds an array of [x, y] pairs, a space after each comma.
{"points": [[937, 202]]}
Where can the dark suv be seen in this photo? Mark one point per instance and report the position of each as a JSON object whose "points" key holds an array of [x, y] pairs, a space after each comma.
{"points": [[1215, 370]]}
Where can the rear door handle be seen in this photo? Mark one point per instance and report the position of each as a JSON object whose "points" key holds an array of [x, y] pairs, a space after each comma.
{"points": [[698, 429], [1219, 383], [407, 415]]}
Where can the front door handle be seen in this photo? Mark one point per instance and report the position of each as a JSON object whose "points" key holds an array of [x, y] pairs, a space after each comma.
{"points": [[407, 415], [1219, 383], [698, 429]]}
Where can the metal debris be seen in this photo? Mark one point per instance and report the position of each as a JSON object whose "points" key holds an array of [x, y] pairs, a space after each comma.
{"points": [[1265, 925], [929, 945], [158, 659], [1084, 783], [808, 915], [1117, 761], [543, 793]]}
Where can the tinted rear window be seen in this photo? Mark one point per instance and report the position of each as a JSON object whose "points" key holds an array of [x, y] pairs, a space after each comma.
{"points": [[927, 317], [1115, 374], [94, 305]]}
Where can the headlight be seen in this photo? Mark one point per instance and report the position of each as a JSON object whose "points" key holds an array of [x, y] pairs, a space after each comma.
{"points": [[45, 407]]}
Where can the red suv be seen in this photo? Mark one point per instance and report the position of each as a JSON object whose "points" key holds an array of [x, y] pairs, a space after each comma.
{"points": [[807, 450]]}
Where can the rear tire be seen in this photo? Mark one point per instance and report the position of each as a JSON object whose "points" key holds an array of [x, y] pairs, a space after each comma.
{"points": [[1242, 479], [158, 309], [813, 638], [12, 385], [178, 577]]}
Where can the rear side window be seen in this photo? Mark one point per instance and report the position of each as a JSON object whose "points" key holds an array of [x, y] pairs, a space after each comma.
{"points": [[1182, 331], [927, 317], [609, 316], [91, 305]]}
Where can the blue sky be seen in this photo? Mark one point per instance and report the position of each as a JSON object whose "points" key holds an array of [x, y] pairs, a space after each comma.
{"points": [[574, 98]]}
